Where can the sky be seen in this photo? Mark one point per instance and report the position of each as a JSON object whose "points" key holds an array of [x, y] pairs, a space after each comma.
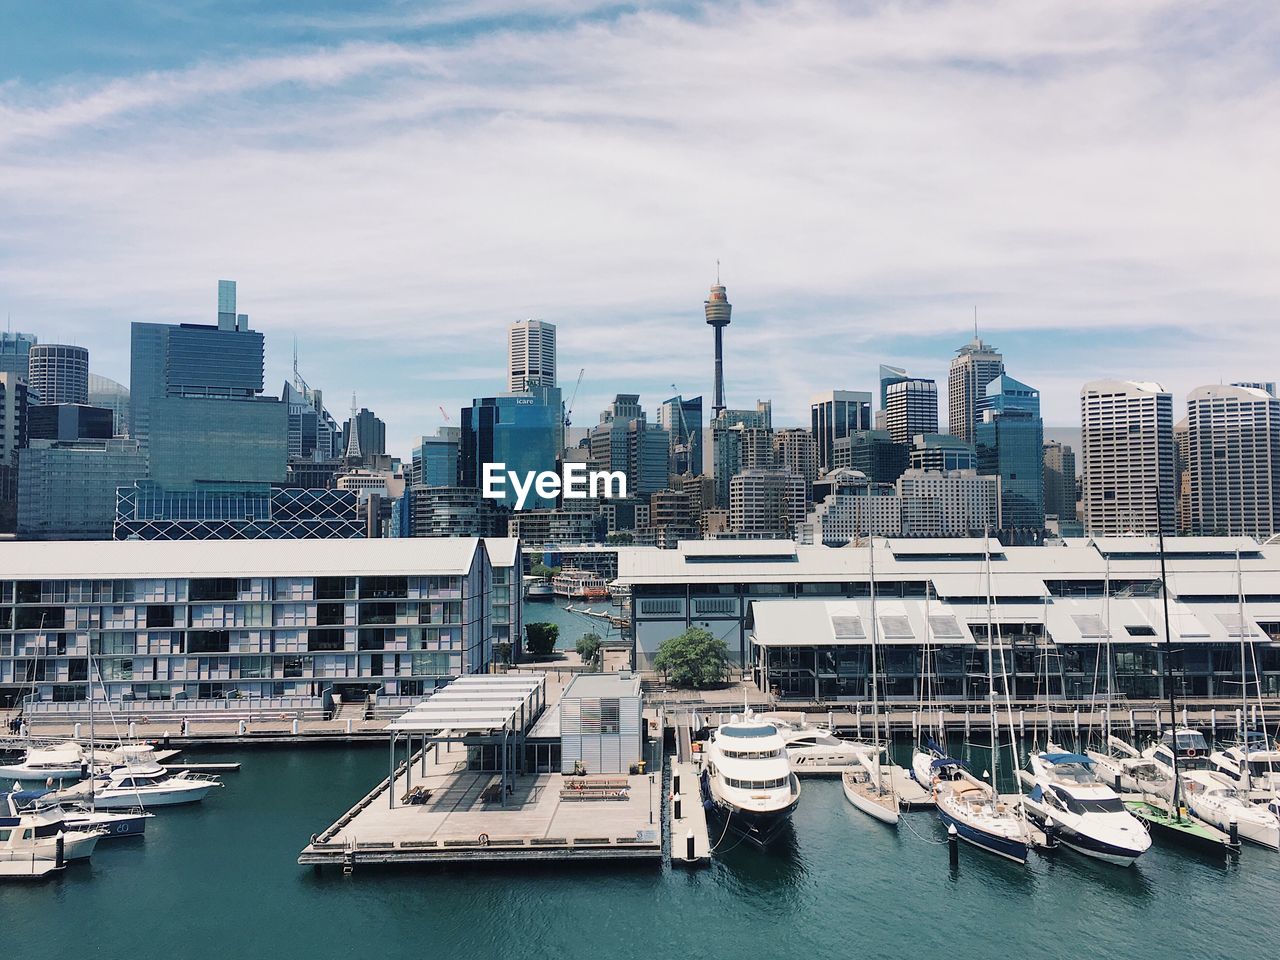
{"points": [[392, 183]]}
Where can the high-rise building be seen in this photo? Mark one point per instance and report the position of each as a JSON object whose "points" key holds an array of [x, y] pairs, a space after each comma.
{"points": [[314, 434], [961, 503], [766, 504], [58, 373], [435, 460], [872, 453], [15, 353], [724, 443], [1127, 456], [531, 355], [889, 375], [1059, 480], [911, 408], [940, 452], [1010, 444], [853, 513], [682, 419], [624, 441], [69, 421], [67, 491], [523, 430], [718, 309], [372, 434], [454, 512], [1234, 461], [836, 414], [974, 366], [104, 392], [796, 451], [14, 408], [1268, 385], [1182, 475], [195, 404]]}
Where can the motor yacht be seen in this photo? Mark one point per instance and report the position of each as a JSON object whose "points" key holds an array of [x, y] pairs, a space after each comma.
{"points": [[1217, 801], [62, 761], [1255, 756], [1193, 752], [1090, 817], [815, 750], [747, 777], [147, 784], [46, 830], [76, 806]]}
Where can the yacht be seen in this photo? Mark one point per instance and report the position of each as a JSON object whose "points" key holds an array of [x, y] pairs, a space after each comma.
{"points": [[1128, 771], [63, 761], [36, 833], [815, 750], [1193, 751], [974, 808], [147, 784], [1254, 757], [1090, 816], [747, 778], [1217, 801], [76, 807], [869, 787]]}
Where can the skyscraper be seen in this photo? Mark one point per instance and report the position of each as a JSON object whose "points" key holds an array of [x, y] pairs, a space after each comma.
{"points": [[911, 408], [795, 450], [523, 429], [624, 440], [1234, 461], [718, 309], [1127, 452], [836, 414], [104, 392], [531, 355], [974, 366], [1010, 444], [682, 419], [941, 452], [15, 353], [766, 503], [1059, 480], [435, 460], [59, 373]]}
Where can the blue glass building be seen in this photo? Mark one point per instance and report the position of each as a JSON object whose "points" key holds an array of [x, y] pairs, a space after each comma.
{"points": [[1010, 444], [435, 462], [522, 430]]}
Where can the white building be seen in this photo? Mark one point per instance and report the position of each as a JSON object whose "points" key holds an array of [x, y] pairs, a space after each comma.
{"points": [[975, 365], [1233, 459], [531, 355], [1127, 457], [845, 517], [955, 503], [600, 725], [766, 503]]}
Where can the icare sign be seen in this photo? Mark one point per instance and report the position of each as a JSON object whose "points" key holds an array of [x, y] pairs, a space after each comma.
{"points": [[575, 482]]}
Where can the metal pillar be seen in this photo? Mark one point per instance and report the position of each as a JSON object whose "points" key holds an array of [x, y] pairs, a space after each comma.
{"points": [[391, 771]]}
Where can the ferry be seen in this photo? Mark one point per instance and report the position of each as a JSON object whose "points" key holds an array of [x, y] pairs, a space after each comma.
{"points": [[537, 588], [580, 584]]}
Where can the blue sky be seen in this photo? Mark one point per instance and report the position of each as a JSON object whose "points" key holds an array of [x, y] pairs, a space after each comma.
{"points": [[392, 183]]}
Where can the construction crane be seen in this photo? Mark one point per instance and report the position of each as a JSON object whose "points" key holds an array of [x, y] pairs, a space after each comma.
{"points": [[443, 414], [568, 411]]}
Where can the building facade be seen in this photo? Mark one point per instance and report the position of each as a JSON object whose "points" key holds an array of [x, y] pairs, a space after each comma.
{"points": [[1010, 444], [974, 366], [1059, 480], [67, 491], [1127, 457], [145, 511], [766, 503], [873, 454], [186, 623], [959, 503], [59, 373], [522, 430], [836, 414], [911, 408], [531, 355], [105, 392], [682, 419], [1233, 441], [941, 451], [15, 353]]}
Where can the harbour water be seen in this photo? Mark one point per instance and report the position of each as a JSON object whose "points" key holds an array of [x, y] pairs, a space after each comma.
{"points": [[572, 624], [220, 880]]}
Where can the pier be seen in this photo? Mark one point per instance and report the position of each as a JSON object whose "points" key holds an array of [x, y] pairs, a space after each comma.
{"points": [[690, 838]]}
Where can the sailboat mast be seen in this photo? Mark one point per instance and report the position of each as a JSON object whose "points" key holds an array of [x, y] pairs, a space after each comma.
{"points": [[991, 672], [875, 636], [1106, 617], [1168, 654], [1244, 680]]}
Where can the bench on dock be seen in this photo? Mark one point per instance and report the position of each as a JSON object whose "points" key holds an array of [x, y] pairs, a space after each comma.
{"points": [[593, 793], [596, 783], [416, 795]]}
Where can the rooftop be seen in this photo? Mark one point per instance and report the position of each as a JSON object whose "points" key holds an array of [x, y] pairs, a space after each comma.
{"points": [[602, 685]]}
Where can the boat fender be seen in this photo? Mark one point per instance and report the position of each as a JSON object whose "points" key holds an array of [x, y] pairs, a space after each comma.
{"points": [[484, 839]]}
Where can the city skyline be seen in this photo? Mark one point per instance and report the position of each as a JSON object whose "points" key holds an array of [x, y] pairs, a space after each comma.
{"points": [[437, 180]]}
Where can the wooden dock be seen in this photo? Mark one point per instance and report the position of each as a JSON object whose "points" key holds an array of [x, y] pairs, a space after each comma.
{"points": [[435, 810], [690, 839]]}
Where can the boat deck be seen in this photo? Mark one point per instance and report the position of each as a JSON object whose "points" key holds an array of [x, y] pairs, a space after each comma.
{"points": [[449, 814]]}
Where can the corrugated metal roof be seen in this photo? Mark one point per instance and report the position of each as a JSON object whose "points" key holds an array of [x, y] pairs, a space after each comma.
{"points": [[116, 559], [803, 623], [601, 685]]}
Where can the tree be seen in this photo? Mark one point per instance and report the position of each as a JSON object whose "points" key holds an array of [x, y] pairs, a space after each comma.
{"points": [[620, 539], [542, 570], [589, 647], [504, 651], [694, 659], [540, 638]]}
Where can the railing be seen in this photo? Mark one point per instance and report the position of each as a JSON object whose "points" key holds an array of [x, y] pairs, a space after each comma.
{"points": [[303, 708]]}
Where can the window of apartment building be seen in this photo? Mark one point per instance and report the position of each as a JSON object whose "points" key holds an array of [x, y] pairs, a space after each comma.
{"points": [[331, 614], [208, 641], [214, 588], [325, 640]]}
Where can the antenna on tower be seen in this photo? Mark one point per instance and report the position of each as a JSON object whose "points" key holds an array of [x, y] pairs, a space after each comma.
{"points": [[975, 321], [717, 271]]}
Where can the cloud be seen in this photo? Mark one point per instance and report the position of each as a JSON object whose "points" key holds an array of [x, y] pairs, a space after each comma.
{"points": [[1085, 171]]}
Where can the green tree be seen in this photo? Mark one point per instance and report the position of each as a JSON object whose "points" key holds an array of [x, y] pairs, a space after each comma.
{"points": [[694, 659], [504, 651], [589, 647], [542, 570], [540, 638], [620, 539]]}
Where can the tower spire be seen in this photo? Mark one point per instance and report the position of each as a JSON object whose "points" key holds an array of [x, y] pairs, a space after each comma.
{"points": [[353, 434]]}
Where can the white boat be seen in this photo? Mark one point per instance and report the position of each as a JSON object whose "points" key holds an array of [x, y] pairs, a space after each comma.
{"points": [[980, 816], [815, 750], [41, 834], [76, 807], [148, 784], [1193, 752], [869, 788], [1255, 757], [1213, 798], [747, 778], [1090, 817], [538, 588], [63, 761], [1127, 771]]}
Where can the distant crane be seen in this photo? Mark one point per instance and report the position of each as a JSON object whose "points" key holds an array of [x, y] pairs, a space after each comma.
{"points": [[443, 414], [568, 412]]}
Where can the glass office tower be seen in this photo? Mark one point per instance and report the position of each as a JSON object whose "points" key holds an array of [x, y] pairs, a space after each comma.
{"points": [[522, 430], [1010, 444]]}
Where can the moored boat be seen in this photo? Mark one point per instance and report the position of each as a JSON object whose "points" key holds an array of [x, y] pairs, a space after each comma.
{"points": [[747, 779]]}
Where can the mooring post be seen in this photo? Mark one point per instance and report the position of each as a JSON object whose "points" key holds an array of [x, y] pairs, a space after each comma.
{"points": [[953, 845]]}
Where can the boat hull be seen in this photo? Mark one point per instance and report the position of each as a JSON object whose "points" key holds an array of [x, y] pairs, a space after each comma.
{"points": [[117, 825], [1015, 850], [870, 805], [18, 772], [759, 826], [1083, 843], [171, 797]]}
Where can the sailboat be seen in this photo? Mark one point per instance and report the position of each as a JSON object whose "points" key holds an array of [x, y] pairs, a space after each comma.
{"points": [[979, 814], [1172, 820], [867, 785]]}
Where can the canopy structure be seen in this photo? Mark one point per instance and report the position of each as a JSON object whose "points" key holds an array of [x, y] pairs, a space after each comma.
{"points": [[485, 710]]}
